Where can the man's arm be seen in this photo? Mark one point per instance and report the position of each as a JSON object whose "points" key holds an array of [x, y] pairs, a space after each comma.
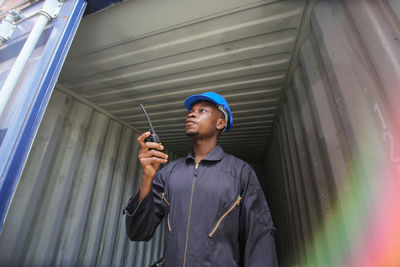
{"points": [[256, 227], [144, 210], [143, 218], [150, 159]]}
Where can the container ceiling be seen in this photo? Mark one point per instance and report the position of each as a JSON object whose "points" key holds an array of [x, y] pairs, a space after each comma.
{"points": [[159, 52]]}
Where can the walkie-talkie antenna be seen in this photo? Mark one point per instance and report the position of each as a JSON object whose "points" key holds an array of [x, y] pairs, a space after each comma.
{"points": [[153, 136], [148, 119]]}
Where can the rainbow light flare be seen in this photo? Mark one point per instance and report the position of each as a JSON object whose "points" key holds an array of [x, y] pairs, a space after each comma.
{"points": [[365, 228]]}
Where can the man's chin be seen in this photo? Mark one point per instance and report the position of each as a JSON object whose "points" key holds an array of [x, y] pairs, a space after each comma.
{"points": [[191, 134]]}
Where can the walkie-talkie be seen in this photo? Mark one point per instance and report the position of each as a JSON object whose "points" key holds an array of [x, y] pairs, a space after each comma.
{"points": [[153, 136]]}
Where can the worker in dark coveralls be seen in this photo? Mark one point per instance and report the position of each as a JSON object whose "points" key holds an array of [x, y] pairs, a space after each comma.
{"points": [[216, 213]]}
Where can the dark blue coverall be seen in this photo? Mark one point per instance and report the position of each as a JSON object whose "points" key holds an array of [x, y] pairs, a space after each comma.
{"points": [[216, 212]]}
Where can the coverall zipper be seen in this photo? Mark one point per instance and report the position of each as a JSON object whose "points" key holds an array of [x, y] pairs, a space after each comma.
{"points": [[223, 216], [190, 209], [166, 201]]}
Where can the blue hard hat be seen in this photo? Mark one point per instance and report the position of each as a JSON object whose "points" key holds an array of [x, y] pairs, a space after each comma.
{"points": [[217, 99]]}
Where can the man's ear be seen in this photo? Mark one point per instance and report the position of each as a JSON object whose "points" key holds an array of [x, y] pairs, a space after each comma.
{"points": [[221, 124]]}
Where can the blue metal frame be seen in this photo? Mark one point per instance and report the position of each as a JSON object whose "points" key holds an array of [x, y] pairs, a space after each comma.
{"points": [[47, 73]]}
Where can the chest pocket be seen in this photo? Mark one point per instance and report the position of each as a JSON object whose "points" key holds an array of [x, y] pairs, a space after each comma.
{"points": [[169, 211], [228, 210]]}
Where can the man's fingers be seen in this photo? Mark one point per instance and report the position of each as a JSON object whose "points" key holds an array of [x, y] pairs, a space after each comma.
{"points": [[148, 145], [141, 138], [150, 156], [146, 149], [154, 153], [152, 160], [154, 145]]}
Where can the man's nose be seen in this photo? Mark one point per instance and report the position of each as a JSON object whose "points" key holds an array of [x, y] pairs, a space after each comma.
{"points": [[192, 114]]}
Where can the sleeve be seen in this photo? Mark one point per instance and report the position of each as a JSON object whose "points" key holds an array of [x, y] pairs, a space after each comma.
{"points": [[142, 220], [256, 230]]}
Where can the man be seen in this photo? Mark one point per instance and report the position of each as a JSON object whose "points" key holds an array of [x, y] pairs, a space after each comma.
{"points": [[215, 209]]}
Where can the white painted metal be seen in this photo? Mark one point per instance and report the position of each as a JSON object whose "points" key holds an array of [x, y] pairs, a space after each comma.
{"points": [[49, 11], [7, 25], [21, 61]]}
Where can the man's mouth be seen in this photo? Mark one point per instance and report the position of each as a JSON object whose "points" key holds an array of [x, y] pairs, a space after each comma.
{"points": [[190, 122]]}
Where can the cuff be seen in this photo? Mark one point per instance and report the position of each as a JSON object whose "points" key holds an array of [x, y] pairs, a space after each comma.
{"points": [[132, 206]]}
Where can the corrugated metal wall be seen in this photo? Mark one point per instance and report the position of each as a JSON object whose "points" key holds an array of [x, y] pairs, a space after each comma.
{"points": [[336, 135], [239, 48], [336, 131], [66, 211]]}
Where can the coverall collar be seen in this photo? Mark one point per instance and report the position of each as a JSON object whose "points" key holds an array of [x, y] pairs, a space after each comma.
{"points": [[216, 154]]}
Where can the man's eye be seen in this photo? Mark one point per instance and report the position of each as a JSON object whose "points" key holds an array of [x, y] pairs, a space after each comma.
{"points": [[203, 110]]}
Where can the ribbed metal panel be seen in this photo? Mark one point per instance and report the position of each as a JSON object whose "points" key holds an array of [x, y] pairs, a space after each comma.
{"points": [[159, 53], [66, 211], [333, 156], [327, 140]]}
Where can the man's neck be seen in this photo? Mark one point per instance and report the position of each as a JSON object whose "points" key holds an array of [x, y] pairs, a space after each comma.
{"points": [[202, 147]]}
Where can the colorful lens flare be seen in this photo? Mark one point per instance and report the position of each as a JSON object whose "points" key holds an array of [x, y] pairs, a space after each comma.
{"points": [[365, 228]]}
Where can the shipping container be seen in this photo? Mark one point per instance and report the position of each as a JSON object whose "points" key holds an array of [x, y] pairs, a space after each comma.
{"points": [[313, 85]]}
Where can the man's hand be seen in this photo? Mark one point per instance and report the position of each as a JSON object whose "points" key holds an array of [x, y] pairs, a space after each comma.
{"points": [[150, 158]]}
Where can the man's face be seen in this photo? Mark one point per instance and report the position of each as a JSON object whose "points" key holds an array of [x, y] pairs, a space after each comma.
{"points": [[204, 120]]}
